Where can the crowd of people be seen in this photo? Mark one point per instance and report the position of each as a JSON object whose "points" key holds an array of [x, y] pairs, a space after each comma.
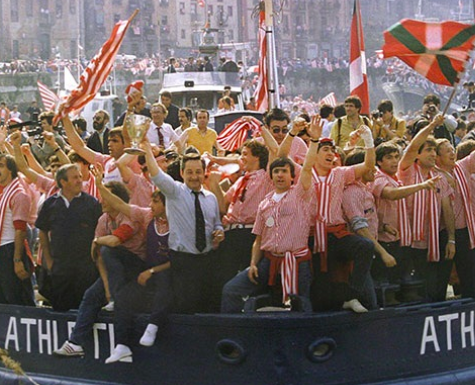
{"points": [[188, 226]]}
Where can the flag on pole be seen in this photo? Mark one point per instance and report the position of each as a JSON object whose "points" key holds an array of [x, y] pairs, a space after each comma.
{"points": [[97, 71], [261, 94], [438, 51], [49, 98], [235, 133], [358, 76], [330, 99]]}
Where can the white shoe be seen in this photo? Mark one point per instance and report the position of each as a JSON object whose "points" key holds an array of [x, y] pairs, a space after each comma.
{"points": [[121, 353], [355, 306], [69, 350], [149, 335], [109, 306]]}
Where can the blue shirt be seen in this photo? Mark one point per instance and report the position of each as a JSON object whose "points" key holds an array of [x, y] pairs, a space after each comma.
{"points": [[180, 208]]}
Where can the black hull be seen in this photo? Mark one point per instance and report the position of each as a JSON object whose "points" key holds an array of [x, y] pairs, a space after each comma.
{"points": [[408, 345]]}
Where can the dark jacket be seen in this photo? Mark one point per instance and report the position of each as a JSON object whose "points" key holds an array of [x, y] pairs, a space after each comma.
{"points": [[94, 142]]}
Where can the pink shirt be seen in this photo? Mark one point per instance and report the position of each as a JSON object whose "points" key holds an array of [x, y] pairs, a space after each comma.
{"points": [[387, 209], [244, 212], [136, 244], [18, 210], [141, 215], [298, 149], [342, 176], [443, 190], [284, 225], [46, 184], [358, 201], [141, 190]]}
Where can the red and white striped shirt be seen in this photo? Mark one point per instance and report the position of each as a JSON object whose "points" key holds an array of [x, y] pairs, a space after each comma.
{"points": [[284, 225], [244, 210], [443, 190], [358, 201], [141, 190], [467, 166], [298, 149]]}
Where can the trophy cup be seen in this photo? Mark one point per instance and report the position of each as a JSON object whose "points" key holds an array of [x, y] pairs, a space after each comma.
{"points": [[136, 126]]}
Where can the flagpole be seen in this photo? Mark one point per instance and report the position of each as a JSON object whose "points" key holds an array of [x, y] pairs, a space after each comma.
{"points": [[272, 82]]}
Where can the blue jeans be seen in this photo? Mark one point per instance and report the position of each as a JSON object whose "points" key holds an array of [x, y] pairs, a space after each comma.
{"points": [[241, 286], [92, 302]]}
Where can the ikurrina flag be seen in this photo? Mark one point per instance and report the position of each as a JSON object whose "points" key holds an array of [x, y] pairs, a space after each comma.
{"points": [[358, 77], [438, 51], [97, 71]]}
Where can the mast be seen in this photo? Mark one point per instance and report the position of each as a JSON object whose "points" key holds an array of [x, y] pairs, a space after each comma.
{"points": [[272, 80]]}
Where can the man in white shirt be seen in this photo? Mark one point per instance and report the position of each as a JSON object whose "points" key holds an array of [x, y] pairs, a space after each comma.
{"points": [[160, 133]]}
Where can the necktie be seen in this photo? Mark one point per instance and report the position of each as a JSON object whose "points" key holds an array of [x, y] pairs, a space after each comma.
{"points": [[161, 142], [200, 239]]}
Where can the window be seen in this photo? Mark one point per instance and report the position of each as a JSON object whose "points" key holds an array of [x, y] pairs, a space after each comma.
{"points": [[73, 48], [193, 9], [16, 49], [14, 11], [29, 8], [182, 8], [220, 9], [183, 33], [59, 8], [231, 35], [116, 17], [210, 9], [164, 19], [72, 7], [230, 11]]}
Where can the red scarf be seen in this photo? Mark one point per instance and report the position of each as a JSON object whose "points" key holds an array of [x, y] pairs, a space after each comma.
{"points": [[323, 191], [421, 198]]}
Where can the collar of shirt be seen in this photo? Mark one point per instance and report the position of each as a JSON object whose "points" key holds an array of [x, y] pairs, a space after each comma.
{"points": [[66, 202]]}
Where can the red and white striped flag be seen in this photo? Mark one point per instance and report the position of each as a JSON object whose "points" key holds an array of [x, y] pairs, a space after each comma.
{"points": [[329, 99], [49, 98], [235, 133], [358, 77], [97, 71], [261, 94]]}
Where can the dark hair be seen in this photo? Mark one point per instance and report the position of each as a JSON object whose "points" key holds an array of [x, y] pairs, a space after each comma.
{"points": [[326, 110], [461, 125], [276, 114], [173, 169], [305, 117], [187, 111], [386, 148], [62, 173], [339, 110], [81, 123], [11, 164], [385, 106], [356, 156], [430, 142], [439, 142], [118, 189], [74, 157], [431, 98], [202, 110], [258, 149], [470, 126], [167, 94], [159, 194], [189, 157], [282, 162], [353, 99]]}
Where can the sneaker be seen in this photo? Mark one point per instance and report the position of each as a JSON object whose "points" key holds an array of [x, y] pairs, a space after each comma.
{"points": [[149, 335], [109, 306], [69, 350], [121, 353], [355, 306]]}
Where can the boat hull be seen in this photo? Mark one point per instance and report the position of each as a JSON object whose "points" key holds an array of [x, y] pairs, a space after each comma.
{"points": [[406, 345]]}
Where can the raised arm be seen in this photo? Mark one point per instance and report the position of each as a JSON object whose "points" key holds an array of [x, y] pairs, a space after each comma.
{"points": [[213, 181], [395, 193], [57, 149], [20, 161], [410, 155], [314, 130], [298, 125], [370, 156], [76, 142]]}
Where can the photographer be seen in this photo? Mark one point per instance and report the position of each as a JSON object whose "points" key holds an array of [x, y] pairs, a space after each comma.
{"points": [[430, 109], [41, 148], [385, 124]]}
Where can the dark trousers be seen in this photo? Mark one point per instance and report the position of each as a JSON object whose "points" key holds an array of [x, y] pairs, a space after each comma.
{"points": [[435, 274], [14, 291], [193, 282], [465, 263], [383, 274], [154, 298], [361, 251], [233, 255]]}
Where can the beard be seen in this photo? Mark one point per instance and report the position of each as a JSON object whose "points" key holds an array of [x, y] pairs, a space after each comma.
{"points": [[98, 126]]}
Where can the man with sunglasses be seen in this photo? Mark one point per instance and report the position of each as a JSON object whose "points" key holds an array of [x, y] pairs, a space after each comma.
{"points": [[277, 122]]}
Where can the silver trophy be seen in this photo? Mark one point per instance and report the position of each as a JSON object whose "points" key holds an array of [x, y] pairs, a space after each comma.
{"points": [[136, 126]]}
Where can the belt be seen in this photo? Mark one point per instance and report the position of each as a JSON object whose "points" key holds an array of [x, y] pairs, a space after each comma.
{"points": [[234, 226]]}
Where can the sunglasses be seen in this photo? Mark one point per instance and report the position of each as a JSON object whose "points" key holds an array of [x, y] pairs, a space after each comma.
{"points": [[276, 130]]}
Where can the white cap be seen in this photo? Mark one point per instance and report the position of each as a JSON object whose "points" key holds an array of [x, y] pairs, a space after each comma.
{"points": [[450, 123]]}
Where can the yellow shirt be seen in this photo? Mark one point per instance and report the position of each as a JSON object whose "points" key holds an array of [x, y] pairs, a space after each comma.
{"points": [[203, 142]]}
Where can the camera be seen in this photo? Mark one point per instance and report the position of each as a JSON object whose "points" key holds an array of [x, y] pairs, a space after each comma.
{"points": [[376, 114], [37, 131], [432, 109]]}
